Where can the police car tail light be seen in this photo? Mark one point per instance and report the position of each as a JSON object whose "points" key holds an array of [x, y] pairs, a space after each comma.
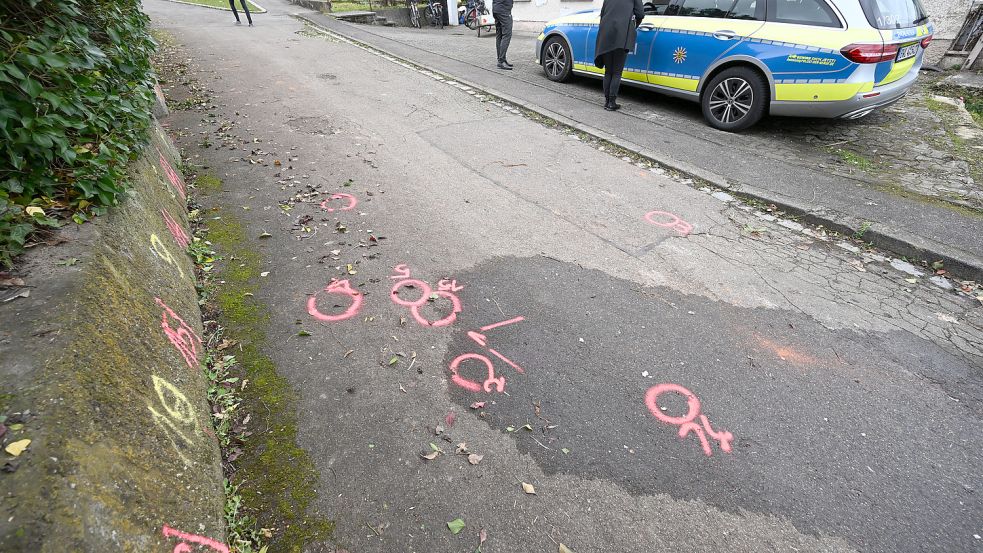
{"points": [[926, 40], [869, 53]]}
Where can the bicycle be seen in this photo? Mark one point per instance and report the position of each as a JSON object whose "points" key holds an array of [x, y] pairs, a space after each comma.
{"points": [[472, 15], [435, 13], [414, 13]]}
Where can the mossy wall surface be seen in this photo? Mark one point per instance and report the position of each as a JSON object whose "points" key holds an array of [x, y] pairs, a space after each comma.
{"points": [[121, 438]]}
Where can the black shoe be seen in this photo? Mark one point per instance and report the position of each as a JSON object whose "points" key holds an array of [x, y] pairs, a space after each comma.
{"points": [[611, 105], [508, 64], [505, 66]]}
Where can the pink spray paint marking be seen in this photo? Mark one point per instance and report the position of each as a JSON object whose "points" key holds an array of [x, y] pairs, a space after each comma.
{"points": [[445, 290], [192, 538], [482, 340], [177, 231], [172, 176], [674, 222], [471, 385], [686, 424], [352, 202], [340, 287], [183, 338]]}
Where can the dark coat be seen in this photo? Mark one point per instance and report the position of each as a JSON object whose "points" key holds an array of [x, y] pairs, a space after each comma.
{"points": [[619, 19], [502, 6]]}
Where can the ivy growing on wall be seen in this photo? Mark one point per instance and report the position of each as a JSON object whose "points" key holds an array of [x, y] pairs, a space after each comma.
{"points": [[75, 106]]}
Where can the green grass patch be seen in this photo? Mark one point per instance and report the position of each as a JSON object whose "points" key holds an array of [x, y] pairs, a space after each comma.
{"points": [[353, 6], [224, 5], [854, 159]]}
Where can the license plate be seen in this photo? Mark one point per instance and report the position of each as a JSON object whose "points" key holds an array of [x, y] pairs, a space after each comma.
{"points": [[908, 51]]}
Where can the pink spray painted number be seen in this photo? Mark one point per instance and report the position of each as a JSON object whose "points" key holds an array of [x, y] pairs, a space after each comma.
{"points": [[352, 202], [177, 231], [187, 539], [182, 337], [685, 423], [492, 380], [445, 289], [172, 176], [668, 220], [342, 288]]}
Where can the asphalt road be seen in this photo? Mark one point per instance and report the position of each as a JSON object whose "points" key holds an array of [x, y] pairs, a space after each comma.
{"points": [[842, 396], [783, 160]]}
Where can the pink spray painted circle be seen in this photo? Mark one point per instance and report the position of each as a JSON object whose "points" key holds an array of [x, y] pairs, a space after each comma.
{"points": [[415, 309], [340, 287], [692, 402], [670, 224], [352, 202], [423, 286], [471, 385]]}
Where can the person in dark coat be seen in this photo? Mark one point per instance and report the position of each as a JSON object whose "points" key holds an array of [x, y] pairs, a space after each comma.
{"points": [[502, 12], [615, 38]]}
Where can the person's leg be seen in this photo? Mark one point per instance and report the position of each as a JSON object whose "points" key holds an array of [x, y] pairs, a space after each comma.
{"points": [[232, 4], [498, 36], [617, 67], [245, 8], [607, 76], [506, 38]]}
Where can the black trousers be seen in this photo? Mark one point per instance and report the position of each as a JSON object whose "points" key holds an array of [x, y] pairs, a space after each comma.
{"points": [[245, 8], [503, 34], [614, 64]]}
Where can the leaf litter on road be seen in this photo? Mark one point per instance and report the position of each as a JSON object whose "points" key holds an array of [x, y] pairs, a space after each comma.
{"points": [[455, 526]]}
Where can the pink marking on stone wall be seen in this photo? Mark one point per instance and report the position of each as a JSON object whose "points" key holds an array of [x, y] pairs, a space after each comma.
{"points": [[352, 202], [177, 231], [172, 176], [338, 287], [192, 538], [183, 337], [685, 423], [674, 221], [470, 385]]}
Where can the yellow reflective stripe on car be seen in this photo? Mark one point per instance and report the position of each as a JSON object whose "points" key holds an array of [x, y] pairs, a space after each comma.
{"points": [[588, 68], [680, 83], [635, 76], [541, 36], [899, 70], [831, 92], [805, 38]]}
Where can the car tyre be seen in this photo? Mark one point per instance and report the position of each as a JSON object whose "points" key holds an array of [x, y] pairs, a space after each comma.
{"points": [[557, 61], [735, 99]]}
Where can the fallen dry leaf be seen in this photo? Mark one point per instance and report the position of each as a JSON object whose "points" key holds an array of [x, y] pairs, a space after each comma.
{"points": [[482, 536], [565, 549], [474, 459], [478, 405], [430, 456], [462, 449], [528, 488], [18, 447], [13, 281], [450, 418]]}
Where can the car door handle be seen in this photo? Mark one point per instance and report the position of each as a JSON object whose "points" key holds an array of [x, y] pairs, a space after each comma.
{"points": [[725, 35], [644, 27]]}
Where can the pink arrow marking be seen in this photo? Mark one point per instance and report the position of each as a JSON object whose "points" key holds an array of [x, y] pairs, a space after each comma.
{"points": [[481, 339], [503, 323]]}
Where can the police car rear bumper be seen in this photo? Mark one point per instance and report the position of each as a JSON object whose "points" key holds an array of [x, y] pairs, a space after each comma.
{"points": [[858, 106]]}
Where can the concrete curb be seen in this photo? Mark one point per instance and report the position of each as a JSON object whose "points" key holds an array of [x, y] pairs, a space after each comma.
{"points": [[895, 240], [100, 365]]}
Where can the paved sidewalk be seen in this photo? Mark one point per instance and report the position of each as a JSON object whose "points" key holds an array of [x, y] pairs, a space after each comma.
{"points": [[770, 164]]}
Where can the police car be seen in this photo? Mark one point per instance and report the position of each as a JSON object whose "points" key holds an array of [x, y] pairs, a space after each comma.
{"points": [[743, 59]]}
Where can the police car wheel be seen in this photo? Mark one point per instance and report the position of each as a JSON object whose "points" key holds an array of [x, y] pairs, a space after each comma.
{"points": [[557, 61], [735, 99]]}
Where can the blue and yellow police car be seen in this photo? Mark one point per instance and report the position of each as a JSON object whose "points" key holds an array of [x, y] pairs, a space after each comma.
{"points": [[743, 59]]}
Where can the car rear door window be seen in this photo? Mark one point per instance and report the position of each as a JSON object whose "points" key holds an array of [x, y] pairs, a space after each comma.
{"points": [[802, 12], [704, 8], [656, 7], [894, 14], [745, 9]]}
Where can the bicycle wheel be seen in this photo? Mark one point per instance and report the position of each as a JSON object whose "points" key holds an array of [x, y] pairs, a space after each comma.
{"points": [[471, 19]]}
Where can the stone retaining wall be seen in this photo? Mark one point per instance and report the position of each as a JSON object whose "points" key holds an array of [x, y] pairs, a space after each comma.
{"points": [[99, 369]]}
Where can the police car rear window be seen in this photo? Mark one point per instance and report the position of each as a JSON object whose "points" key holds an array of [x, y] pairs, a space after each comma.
{"points": [[894, 14]]}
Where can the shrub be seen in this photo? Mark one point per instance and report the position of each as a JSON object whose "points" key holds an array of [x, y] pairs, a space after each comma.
{"points": [[75, 106]]}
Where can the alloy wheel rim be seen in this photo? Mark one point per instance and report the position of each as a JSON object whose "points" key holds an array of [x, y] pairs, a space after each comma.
{"points": [[731, 100], [556, 59]]}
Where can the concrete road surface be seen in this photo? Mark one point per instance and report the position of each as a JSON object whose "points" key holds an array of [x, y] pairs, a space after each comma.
{"points": [[671, 370]]}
